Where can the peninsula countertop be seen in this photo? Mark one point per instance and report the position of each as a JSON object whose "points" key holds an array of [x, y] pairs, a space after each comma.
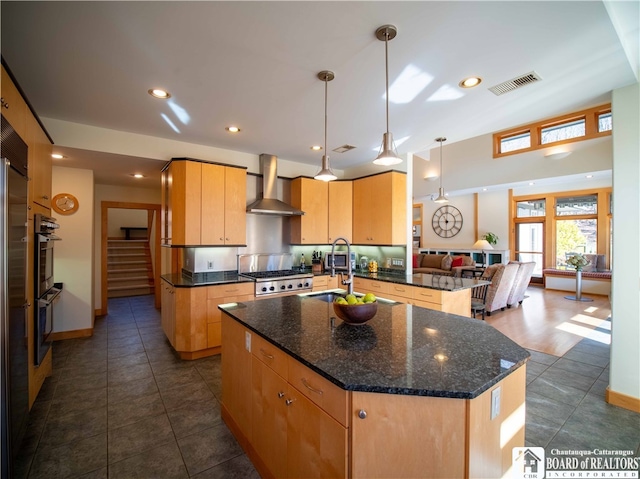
{"points": [[404, 349], [423, 280], [205, 279]]}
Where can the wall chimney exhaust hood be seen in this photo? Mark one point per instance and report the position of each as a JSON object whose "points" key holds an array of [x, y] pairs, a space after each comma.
{"points": [[269, 204]]}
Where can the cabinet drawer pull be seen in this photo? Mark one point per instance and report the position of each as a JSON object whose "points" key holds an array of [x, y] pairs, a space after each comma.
{"points": [[288, 402], [310, 388], [266, 354], [362, 414], [231, 290], [280, 394]]}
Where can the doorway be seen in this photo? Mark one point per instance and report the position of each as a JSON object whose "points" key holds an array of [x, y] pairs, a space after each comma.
{"points": [[530, 246], [139, 229]]}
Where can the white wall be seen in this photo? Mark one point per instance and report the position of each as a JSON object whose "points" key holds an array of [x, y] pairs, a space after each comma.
{"points": [[73, 256], [119, 218], [493, 216], [625, 335]]}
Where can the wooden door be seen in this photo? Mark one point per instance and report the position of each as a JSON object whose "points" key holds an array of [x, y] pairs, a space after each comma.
{"points": [[236, 374], [362, 210], [269, 434], [235, 206], [317, 445], [14, 108], [312, 197], [340, 219], [39, 163], [407, 436], [212, 221]]}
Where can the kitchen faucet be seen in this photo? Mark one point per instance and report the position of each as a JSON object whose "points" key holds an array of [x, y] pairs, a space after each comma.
{"points": [[349, 280]]}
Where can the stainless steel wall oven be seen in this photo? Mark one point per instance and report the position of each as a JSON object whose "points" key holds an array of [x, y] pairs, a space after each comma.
{"points": [[46, 293]]}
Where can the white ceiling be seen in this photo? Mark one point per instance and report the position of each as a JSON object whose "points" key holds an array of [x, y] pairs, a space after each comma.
{"points": [[254, 64]]}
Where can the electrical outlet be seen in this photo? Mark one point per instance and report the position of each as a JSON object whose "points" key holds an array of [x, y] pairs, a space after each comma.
{"points": [[247, 340], [209, 264], [495, 402]]}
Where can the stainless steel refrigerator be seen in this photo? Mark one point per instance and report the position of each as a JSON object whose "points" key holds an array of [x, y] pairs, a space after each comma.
{"points": [[14, 372]]}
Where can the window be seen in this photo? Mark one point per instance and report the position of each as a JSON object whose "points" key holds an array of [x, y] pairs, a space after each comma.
{"points": [[577, 205], [563, 131], [575, 236], [515, 142], [604, 122], [531, 208], [578, 126]]}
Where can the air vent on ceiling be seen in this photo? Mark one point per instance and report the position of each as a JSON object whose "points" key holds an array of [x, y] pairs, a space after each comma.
{"points": [[518, 82], [343, 148]]}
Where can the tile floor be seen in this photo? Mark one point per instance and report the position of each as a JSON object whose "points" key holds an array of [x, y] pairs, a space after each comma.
{"points": [[122, 405]]}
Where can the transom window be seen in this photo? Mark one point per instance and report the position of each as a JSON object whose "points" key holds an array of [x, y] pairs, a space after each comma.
{"points": [[578, 126]]}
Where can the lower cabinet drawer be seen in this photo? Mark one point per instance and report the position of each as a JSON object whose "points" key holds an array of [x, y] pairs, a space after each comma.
{"points": [[266, 352], [326, 395], [429, 295], [401, 290]]}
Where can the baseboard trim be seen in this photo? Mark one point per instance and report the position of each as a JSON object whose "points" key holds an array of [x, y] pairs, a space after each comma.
{"points": [[203, 353], [77, 333], [622, 400]]}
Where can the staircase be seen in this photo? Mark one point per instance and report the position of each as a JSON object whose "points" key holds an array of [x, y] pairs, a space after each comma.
{"points": [[129, 268]]}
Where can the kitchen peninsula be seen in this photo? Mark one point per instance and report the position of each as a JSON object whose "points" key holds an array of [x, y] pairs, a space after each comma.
{"points": [[412, 393]]}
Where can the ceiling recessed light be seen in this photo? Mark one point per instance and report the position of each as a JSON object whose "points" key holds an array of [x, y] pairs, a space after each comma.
{"points": [[470, 82], [589, 176], [57, 156], [531, 183], [484, 189], [137, 175], [159, 93], [316, 148], [232, 129]]}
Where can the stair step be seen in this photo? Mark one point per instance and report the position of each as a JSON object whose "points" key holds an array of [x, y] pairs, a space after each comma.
{"points": [[127, 241], [130, 278], [131, 270], [131, 286]]}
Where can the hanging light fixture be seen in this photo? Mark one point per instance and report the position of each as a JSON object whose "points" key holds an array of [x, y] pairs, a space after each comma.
{"points": [[388, 154], [325, 174], [441, 198]]}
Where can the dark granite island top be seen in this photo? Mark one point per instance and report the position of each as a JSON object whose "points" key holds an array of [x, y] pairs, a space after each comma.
{"points": [[404, 349]]}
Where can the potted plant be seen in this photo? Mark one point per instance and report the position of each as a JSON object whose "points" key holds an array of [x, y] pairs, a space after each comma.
{"points": [[578, 261], [491, 238]]}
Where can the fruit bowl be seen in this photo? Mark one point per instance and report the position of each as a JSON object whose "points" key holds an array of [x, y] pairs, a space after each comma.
{"points": [[356, 314]]}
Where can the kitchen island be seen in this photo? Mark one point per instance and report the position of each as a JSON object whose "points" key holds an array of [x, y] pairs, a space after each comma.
{"points": [[412, 393]]}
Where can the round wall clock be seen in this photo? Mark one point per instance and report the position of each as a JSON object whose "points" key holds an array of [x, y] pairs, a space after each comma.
{"points": [[447, 221], [65, 203]]}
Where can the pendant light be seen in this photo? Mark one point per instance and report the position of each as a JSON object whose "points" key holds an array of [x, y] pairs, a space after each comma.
{"points": [[325, 174], [441, 198], [388, 154]]}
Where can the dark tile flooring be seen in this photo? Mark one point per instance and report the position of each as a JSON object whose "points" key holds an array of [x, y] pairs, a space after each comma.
{"points": [[122, 404]]}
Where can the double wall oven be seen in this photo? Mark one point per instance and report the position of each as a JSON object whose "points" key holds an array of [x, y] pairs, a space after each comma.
{"points": [[274, 275], [45, 292]]}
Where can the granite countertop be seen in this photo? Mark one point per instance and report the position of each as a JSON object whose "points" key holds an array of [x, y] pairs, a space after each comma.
{"points": [[404, 349], [423, 280], [205, 279]]}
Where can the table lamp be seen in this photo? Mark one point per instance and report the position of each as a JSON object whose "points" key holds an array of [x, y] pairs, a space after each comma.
{"points": [[483, 245]]}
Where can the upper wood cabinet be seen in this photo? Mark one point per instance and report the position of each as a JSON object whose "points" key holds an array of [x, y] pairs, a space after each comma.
{"points": [[327, 207], [380, 209], [14, 108], [204, 204], [40, 163]]}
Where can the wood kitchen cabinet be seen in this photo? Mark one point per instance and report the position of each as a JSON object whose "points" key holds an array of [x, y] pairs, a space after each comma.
{"points": [[297, 424], [327, 207], [203, 204], [14, 108], [191, 319], [380, 209], [40, 163]]}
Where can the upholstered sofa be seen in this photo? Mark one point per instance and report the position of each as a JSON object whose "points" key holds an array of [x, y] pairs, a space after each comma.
{"points": [[442, 264]]}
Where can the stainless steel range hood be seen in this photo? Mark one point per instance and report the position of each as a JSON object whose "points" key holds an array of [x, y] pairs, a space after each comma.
{"points": [[269, 204]]}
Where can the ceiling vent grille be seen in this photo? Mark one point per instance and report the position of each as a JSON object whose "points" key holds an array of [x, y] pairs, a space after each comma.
{"points": [[518, 82], [343, 148]]}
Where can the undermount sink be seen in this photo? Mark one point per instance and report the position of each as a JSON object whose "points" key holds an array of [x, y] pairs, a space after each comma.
{"points": [[327, 297]]}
